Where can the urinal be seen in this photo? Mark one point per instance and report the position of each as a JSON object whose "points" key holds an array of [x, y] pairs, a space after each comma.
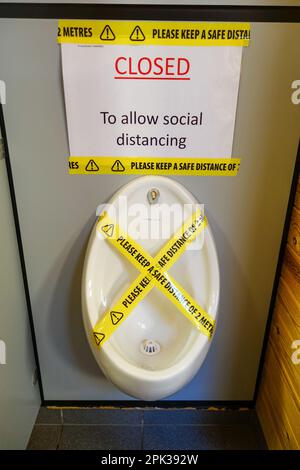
{"points": [[156, 350]]}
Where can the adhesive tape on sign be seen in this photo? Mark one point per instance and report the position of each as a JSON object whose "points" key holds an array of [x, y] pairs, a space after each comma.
{"points": [[160, 33], [154, 166]]}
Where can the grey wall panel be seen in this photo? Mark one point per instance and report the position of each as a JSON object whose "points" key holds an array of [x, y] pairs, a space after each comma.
{"points": [[19, 398], [57, 210]]}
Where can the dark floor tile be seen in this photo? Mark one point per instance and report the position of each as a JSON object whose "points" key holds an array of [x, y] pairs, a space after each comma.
{"points": [[197, 417], [101, 437], [207, 437], [95, 416], [241, 437], [167, 437], [49, 416], [44, 437]]}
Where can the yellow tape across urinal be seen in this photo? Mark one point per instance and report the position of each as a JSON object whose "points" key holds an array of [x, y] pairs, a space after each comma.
{"points": [[153, 273]]}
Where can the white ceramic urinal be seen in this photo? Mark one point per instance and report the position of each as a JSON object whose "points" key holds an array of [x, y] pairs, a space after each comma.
{"points": [[156, 350]]}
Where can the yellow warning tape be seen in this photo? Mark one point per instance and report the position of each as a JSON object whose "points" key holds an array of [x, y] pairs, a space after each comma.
{"points": [[154, 166], [153, 33], [153, 272]]}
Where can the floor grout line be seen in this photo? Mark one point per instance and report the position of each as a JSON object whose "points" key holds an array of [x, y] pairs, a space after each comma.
{"points": [[142, 433], [229, 429], [142, 429], [143, 424], [48, 424], [89, 424], [59, 437]]}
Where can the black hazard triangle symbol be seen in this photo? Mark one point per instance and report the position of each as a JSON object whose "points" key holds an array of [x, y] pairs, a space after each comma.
{"points": [[92, 166], [117, 166], [137, 34], [107, 34], [108, 229], [98, 337], [116, 317]]}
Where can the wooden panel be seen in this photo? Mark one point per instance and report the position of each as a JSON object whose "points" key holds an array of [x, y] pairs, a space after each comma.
{"points": [[291, 271], [285, 329], [294, 232], [278, 403], [275, 440], [297, 198], [289, 297]]}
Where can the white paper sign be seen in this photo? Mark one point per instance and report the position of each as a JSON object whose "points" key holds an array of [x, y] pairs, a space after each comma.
{"points": [[151, 100]]}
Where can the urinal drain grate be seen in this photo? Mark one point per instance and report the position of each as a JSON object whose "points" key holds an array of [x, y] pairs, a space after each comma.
{"points": [[150, 347]]}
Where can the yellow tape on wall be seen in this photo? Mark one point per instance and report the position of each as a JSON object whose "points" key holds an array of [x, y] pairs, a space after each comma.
{"points": [[153, 33], [153, 166], [153, 272]]}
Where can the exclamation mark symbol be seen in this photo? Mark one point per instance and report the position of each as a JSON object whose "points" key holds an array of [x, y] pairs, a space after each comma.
{"points": [[137, 34], [107, 34], [92, 166]]}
